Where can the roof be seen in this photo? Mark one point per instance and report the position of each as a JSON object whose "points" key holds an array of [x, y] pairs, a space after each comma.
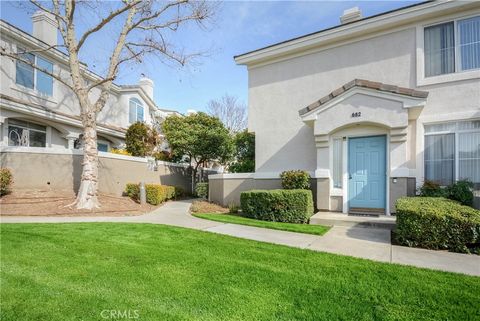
{"points": [[332, 28], [116, 86], [362, 83]]}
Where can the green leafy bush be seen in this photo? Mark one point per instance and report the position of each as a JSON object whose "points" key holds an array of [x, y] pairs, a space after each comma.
{"points": [[437, 223], [156, 193], [179, 192], [461, 191], [6, 181], [133, 191], [291, 206], [296, 179], [431, 189], [201, 190], [141, 139]]}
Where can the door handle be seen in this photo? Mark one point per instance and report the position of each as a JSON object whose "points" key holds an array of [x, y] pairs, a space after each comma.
{"points": [[349, 176]]}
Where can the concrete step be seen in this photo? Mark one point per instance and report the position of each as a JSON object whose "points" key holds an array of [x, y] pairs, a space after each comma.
{"points": [[340, 219]]}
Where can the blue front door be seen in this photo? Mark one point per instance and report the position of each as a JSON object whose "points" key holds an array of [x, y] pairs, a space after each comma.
{"points": [[367, 172]]}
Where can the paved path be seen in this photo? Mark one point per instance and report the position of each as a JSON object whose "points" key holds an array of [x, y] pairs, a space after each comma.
{"points": [[368, 243]]}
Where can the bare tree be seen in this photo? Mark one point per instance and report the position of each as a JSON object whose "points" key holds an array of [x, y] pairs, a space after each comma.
{"points": [[143, 26], [230, 111]]}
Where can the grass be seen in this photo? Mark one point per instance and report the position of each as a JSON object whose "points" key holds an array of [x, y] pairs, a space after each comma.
{"points": [[291, 227], [77, 271]]}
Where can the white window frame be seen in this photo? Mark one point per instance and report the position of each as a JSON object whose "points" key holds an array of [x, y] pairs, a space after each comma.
{"points": [[420, 53], [455, 133], [130, 100], [35, 71]]}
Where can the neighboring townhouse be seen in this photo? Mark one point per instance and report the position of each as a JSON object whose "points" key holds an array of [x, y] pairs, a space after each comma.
{"points": [[371, 108], [37, 111]]}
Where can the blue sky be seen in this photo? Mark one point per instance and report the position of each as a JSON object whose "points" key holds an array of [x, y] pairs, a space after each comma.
{"points": [[238, 27]]}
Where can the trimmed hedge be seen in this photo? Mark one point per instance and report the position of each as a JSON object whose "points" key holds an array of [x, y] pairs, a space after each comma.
{"points": [[295, 179], [156, 193], [201, 190], [290, 206], [6, 180], [437, 223]]}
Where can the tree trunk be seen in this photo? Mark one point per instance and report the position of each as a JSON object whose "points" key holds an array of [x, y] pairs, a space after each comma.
{"points": [[87, 196]]}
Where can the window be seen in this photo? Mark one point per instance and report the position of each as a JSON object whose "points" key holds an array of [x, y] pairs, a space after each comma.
{"points": [[452, 46], [337, 163], [135, 111], [29, 77], [102, 147], [452, 152], [22, 133]]}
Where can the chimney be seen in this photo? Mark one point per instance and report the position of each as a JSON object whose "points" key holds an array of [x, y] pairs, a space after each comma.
{"points": [[147, 85], [45, 27], [350, 15]]}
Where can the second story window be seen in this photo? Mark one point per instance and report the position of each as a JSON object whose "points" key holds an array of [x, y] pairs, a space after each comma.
{"points": [[29, 77], [135, 112], [452, 47]]}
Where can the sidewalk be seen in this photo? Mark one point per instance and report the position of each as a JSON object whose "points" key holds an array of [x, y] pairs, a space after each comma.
{"points": [[367, 243]]}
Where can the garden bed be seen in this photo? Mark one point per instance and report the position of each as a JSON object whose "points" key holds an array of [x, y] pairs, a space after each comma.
{"points": [[55, 203]]}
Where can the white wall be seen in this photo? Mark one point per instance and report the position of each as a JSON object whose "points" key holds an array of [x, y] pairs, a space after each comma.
{"points": [[277, 91], [63, 99]]}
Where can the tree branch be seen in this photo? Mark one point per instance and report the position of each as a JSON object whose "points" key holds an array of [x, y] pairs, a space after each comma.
{"points": [[3, 52], [105, 21], [114, 59], [56, 14]]}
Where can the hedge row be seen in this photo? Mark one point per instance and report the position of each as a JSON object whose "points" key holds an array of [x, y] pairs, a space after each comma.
{"points": [[292, 206], [156, 193], [437, 223]]}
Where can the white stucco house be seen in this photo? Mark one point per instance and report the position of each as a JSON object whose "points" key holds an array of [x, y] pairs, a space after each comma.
{"points": [[37, 111], [371, 108]]}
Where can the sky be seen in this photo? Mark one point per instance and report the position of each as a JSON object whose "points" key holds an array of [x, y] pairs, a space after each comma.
{"points": [[237, 27]]}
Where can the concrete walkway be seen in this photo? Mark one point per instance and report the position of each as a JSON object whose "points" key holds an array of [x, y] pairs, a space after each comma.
{"points": [[368, 243]]}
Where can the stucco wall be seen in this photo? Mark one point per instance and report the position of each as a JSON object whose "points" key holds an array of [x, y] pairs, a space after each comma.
{"points": [[62, 171], [278, 90], [63, 99], [226, 189]]}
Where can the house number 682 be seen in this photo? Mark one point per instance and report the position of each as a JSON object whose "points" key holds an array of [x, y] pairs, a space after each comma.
{"points": [[357, 114]]}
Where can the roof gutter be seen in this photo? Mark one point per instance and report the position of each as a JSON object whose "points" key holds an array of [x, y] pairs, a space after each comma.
{"points": [[351, 30]]}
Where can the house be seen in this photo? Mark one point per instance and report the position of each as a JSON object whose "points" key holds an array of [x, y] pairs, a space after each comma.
{"points": [[40, 127], [37, 111], [371, 108]]}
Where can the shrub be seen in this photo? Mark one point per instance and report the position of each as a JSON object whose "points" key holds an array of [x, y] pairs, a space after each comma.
{"points": [[295, 179], [133, 191], [141, 139], [431, 189], [156, 193], [201, 190], [120, 152], [6, 181], [461, 191], [292, 206], [437, 223], [179, 192]]}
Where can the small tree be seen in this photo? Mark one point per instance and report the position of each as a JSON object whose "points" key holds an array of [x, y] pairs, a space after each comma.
{"points": [[141, 139], [230, 111], [135, 29], [199, 136], [244, 153]]}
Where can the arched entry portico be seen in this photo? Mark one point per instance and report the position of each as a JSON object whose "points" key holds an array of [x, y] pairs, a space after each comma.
{"points": [[344, 124]]}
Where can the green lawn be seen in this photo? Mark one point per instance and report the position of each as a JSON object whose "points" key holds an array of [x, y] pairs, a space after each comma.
{"points": [[75, 271], [291, 227]]}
